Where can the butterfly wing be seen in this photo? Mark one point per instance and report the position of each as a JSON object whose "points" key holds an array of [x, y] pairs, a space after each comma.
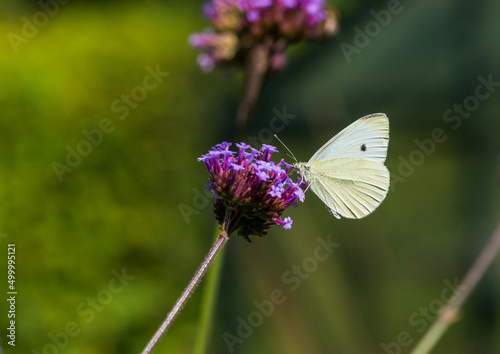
{"points": [[367, 138], [351, 187]]}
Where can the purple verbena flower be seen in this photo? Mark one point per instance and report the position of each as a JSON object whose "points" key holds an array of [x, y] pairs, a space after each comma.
{"points": [[254, 189], [240, 25]]}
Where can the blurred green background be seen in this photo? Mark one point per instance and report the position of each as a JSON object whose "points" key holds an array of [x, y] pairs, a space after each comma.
{"points": [[103, 254]]}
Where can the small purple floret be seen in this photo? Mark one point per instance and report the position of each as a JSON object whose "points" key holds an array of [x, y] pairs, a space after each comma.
{"points": [[288, 223]]}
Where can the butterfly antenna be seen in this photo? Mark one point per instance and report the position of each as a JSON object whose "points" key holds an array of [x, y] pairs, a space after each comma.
{"points": [[286, 147]]}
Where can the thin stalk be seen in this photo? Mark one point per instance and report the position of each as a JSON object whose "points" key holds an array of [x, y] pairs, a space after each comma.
{"points": [[208, 303], [256, 69], [224, 236], [450, 311]]}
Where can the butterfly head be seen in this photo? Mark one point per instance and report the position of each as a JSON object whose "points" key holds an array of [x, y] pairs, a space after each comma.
{"points": [[304, 172]]}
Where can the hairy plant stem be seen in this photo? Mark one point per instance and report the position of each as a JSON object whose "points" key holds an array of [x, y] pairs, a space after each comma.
{"points": [[449, 313], [209, 302], [257, 66], [221, 241]]}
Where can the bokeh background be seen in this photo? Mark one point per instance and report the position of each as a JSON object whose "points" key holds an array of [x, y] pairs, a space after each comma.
{"points": [[118, 210]]}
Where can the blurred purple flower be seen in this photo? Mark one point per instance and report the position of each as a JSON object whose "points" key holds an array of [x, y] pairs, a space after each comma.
{"points": [[276, 23], [256, 190]]}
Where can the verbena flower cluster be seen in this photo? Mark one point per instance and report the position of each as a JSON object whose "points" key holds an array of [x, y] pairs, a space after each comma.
{"points": [[256, 190], [239, 24]]}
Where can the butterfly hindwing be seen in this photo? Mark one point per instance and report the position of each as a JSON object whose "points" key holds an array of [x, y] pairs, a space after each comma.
{"points": [[350, 187]]}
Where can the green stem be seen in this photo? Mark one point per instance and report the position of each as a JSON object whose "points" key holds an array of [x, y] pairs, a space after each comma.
{"points": [[257, 66], [431, 338], [449, 312], [219, 243], [208, 303]]}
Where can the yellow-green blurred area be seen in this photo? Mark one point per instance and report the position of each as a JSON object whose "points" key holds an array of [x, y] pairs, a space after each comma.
{"points": [[103, 112]]}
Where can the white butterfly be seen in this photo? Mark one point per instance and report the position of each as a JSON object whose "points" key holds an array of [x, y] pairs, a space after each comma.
{"points": [[348, 172]]}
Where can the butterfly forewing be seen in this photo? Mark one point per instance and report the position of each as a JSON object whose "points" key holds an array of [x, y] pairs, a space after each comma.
{"points": [[368, 138]]}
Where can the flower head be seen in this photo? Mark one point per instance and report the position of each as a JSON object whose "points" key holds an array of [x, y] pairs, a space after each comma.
{"points": [[239, 25], [252, 188]]}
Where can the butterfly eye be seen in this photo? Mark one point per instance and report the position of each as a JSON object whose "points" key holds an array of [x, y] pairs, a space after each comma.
{"points": [[363, 147]]}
